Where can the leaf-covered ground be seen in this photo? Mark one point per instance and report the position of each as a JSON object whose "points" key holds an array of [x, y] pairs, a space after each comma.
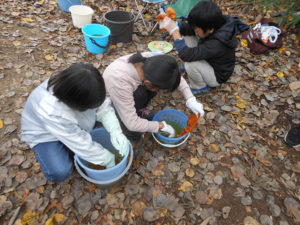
{"points": [[234, 169]]}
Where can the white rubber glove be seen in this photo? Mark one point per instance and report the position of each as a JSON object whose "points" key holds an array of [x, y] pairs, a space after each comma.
{"points": [[168, 24], [109, 160], [168, 129], [195, 106], [117, 138]]}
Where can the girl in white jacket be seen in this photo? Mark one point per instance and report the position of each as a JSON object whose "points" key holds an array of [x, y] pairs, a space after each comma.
{"points": [[60, 113]]}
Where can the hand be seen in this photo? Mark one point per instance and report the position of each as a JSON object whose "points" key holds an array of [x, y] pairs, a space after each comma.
{"points": [[120, 142], [195, 106], [168, 129], [109, 160], [168, 24]]}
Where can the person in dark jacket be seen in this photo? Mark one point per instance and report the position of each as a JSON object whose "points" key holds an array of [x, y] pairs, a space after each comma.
{"points": [[206, 43]]}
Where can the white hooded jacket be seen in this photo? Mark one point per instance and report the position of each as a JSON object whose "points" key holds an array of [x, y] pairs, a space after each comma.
{"points": [[46, 119]]}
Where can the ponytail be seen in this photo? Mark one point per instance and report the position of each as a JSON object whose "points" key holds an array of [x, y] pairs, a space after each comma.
{"points": [[137, 58]]}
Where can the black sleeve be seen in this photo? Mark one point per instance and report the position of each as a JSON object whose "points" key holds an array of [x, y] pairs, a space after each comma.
{"points": [[206, 50], [185, 29]]}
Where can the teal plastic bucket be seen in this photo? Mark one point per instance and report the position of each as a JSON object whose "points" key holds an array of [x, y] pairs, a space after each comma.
{"points": [[96, 37], [101, 136], [66, 4]]}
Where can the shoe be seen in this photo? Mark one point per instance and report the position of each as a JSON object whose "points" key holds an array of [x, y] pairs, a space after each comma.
{"points": [[182, 68], [201, 91], [146, 114], [292, 138]]}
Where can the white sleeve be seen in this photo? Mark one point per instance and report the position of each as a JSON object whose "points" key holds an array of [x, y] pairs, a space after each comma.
{"points": [[76, 139]]}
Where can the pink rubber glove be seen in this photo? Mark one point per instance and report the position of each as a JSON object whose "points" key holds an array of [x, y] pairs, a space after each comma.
{"points": [[168, 24]]}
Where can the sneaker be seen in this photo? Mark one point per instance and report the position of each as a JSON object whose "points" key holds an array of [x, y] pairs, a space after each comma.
{"points": [[146, 114], [201, 91], [182, 68], [292, 138]]}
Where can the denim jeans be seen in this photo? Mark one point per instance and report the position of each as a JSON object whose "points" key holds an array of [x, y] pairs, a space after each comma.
{"points": [[55, 159]]}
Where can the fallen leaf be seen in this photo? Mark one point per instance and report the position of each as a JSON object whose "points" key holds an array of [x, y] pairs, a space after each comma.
{"points": [[282, 152], [15, 13], [206, 108], [194, 161], [241, 105], [294, 85], [207, 220], [189, 172], [91, 187], [147, 16], [112, 46], [281, 50], [16, 43], [59, 217], [30, 218], [52, 2], [280, 74], [55, 218], [28, 20], [1, 124], [49, 221], [244, 43], [214, 148], [138, 208], [158, 172], [48, 57], [24, 195], [185, 186], [250, 221]]}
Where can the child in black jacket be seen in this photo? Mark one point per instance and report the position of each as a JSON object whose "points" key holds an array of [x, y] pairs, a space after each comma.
{"points": [[207, 46]]}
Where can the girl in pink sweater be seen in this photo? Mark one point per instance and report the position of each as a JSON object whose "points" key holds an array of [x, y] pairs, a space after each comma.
{"points": [[133, 80]]}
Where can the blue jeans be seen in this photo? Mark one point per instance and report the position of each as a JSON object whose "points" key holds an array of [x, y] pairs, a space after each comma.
{"points": [[55, 160]]}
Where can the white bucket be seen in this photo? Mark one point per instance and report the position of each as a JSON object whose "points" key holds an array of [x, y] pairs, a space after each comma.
{"points": [[81, 15]]}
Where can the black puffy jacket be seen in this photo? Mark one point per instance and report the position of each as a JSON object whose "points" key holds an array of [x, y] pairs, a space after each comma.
{"points": [[218, 48]]}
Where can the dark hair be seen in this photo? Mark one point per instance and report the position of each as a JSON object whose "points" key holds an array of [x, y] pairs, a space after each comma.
{"points": [[80, 87], [206, 15], [161, 70]]}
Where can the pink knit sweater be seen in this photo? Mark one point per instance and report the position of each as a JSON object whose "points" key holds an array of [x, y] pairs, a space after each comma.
{"points": [[121, 80]]}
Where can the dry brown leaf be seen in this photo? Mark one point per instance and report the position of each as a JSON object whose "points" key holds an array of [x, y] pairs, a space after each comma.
{"points": [[186, 186], [235, 172], [24, 195], [194, 161], [50, 221], [189, 172], [138, 208], [48, 57], [17, 43], [158, 172], [282, 152], [214, 148], [59, 217], [28, 20], [30, 218]]}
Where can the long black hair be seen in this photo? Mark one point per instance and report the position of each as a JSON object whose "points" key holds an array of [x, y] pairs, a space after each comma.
{"points": [[80, 87], [161, 70]]}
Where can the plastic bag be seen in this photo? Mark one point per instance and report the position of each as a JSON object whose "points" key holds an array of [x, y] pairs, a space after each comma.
{"points": [[264, 36]]}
